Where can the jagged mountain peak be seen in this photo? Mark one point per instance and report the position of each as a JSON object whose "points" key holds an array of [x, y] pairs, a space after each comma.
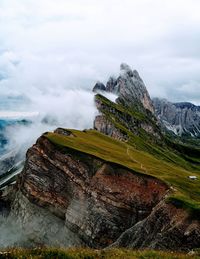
{"points": [[129, 87], [126, 70]]}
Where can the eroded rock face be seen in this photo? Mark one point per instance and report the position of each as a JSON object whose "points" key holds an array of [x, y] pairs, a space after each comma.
{"points": [[115, 123], [129, 87], [30, 225], [106, 127], [133, 97], [132, 89], [166, 228], [180, 118], [68, 198], [96, 201]]}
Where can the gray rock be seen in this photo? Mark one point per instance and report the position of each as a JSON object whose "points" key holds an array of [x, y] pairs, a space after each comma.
{"points": [[99, 87], [180, 118], [130, 88], [166, 228], [77, 199]]}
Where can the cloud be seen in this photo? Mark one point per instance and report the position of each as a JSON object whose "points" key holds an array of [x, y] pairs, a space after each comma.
{"points": [[68, 44], [66, 108], [188, 92], [52, 53]]}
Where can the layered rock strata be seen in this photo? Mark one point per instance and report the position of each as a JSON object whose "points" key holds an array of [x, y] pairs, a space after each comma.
{"points": [[95, 200]]}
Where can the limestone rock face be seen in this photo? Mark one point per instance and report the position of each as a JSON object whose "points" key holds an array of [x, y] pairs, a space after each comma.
{"points": [[132, 89], [129, 87], [111, 116], [111, 84], [136, 103], [166, 228], [93, 200], [180, 118], [106, 127], [69, 198]]}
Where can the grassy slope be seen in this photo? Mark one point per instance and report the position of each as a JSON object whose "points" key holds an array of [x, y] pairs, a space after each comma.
{"points": [[76, 253], [187, 192], [162, 148]]}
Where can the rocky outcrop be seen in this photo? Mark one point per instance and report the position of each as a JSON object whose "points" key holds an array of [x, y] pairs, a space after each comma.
{"points": [[106, 127], [129, 87], [166, 228], [180, 118], [133, 111], [95, 200], [118, 121]]}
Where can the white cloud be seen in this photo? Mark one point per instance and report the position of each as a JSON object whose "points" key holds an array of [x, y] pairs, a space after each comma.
{"points": [[52, 51], [66, 108], [68, 43]]}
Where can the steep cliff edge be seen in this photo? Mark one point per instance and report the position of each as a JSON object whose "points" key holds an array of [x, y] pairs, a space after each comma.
{"points": [[87, 189], [97, 200]]}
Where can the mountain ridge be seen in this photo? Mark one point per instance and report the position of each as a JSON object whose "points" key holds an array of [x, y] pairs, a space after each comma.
{"points": [[183, 118], [123, 183]]}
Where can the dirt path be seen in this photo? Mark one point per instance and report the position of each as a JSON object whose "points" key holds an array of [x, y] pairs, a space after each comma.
{"points": [[134, 160]]}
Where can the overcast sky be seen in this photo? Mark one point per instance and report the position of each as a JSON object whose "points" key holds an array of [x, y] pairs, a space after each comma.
{"points": [[47, 45]]}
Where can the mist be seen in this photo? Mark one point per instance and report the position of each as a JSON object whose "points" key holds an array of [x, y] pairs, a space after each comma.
{"points": [[68, 108], [49, 45], [72, 109]]}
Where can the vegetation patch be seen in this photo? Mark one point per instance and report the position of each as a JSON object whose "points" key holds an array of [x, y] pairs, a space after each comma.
{"points": [[80, 253]]}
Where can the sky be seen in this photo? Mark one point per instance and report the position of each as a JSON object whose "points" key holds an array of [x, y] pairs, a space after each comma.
{"points": [[49, 44], [70, 44]]}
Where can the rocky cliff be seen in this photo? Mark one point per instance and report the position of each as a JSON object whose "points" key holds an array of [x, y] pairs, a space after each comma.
{"points": [[93, 201], [183, 119], [65, 197], [166, 228], [118, 121], [129, 87], [133, 111]]}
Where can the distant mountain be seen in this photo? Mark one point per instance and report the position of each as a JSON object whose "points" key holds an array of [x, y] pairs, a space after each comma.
{"points": [[182, 118]]}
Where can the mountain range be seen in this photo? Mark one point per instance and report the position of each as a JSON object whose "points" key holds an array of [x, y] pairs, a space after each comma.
{"points": [[183, 118], [124, 183]]}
